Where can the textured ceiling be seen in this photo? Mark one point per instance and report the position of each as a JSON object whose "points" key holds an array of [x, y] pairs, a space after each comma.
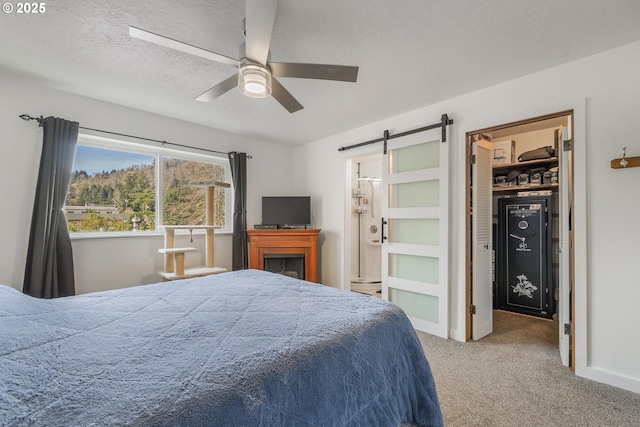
{"points": [[411, 53]]}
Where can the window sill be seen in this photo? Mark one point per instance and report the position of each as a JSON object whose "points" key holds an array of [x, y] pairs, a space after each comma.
{"points": [[138, 234]]}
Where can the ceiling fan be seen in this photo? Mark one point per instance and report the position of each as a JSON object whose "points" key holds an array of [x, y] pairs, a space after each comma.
{"points": [[256, 75]]}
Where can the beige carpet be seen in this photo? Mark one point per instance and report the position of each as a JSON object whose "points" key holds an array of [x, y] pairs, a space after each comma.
{"points": [[514, 378]]}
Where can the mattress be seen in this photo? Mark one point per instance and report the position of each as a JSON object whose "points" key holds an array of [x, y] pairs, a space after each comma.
{"points": [[245, 348]]}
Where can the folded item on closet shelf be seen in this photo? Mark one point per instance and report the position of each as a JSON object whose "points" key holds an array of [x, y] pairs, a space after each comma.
{"points": [[523, 179], [513, 175], [535, 178], [500, 181], [540, 169], [538, 153]]}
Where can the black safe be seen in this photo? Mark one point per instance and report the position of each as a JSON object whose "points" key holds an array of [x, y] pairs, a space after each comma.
{"points": [[524, 255]]}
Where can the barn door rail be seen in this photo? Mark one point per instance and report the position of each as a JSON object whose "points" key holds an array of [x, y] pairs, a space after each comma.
{"points": [[444, 122]]}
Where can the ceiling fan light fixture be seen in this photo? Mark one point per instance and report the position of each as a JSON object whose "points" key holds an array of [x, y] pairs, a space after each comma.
{"points": [[254, 81]]}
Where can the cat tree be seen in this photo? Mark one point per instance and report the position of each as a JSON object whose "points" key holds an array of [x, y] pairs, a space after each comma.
{"points": [[174, 257]]}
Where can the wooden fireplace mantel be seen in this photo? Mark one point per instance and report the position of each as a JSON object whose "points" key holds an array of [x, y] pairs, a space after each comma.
{"points": [[285, 241]]}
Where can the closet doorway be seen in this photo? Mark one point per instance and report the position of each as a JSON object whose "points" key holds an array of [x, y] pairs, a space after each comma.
{"points": [[365, 209], [519, 214]]}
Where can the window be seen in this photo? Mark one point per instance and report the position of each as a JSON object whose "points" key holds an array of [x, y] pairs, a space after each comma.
{"points": [[118, 186], [185, 204]]}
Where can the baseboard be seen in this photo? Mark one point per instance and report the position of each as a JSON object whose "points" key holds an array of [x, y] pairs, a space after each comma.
{"points": [[613, 379], [455, 334]]}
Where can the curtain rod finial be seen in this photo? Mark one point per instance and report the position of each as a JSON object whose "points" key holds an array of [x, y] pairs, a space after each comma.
{"points": [[27, 118]]}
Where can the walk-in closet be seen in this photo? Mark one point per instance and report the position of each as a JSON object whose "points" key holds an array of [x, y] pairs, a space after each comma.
{"points": [[519, 220]]}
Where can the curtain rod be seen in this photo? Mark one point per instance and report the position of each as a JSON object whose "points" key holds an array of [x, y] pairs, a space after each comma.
{"points": [[444, 121], [40, 121]]}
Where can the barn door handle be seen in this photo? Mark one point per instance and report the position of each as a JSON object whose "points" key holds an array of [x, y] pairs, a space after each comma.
{"points": [[382, 230]]}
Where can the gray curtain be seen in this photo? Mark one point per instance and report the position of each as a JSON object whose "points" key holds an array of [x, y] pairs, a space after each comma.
{"points": [[49, 268], [240, 252]]}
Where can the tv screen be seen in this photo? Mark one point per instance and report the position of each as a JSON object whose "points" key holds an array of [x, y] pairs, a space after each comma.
{"points": [[286, 210]]}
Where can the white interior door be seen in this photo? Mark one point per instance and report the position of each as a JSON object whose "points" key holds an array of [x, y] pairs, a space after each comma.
{"points": [[564, 291], [415, 268], [482, 219]]}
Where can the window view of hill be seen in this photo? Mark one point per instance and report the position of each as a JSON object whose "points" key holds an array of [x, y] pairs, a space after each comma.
{"points": [[183, 204], [125, 199]]}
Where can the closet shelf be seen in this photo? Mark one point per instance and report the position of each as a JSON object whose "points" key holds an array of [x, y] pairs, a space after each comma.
{"points": [[526, 164], [529, 187], [524, 167]]}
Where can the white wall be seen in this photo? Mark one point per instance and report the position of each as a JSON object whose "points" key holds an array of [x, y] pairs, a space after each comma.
{"points": [[108, 263], [607, 210], [530, 140]]}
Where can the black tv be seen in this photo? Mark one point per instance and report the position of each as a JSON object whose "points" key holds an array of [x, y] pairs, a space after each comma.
{"points": [[286, 211]]}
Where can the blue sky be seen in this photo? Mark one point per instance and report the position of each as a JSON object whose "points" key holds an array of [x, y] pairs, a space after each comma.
{"points": [[93, 160]]}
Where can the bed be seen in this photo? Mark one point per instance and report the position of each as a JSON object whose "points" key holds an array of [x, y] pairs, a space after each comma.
{"points": [[246, 348]]}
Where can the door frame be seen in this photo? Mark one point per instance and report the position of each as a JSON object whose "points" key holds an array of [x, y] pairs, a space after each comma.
{"points": [[577, 111], [349, 157]]}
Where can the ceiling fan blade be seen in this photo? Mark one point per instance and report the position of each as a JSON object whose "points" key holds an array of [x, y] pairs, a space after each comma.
{"points": [[284, 97], [342, 73], [219, 89], [180, 46], [261, 15]]}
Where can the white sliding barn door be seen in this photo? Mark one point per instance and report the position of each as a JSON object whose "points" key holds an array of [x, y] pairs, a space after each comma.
{"points": [[482, 221], [415, 268]]}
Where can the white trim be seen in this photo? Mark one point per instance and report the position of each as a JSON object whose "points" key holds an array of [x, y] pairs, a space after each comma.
{"points": [[113, 234], [436, 329], [135, 147], [416, 287], [430, 174], [611, 378], [408, 213], [456, 335], [444, 238], [346, 231], [413, 249], [136, 234], [141, 147]]}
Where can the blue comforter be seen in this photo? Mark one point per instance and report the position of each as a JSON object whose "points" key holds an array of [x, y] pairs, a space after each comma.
{"points": [[247, 348]]}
